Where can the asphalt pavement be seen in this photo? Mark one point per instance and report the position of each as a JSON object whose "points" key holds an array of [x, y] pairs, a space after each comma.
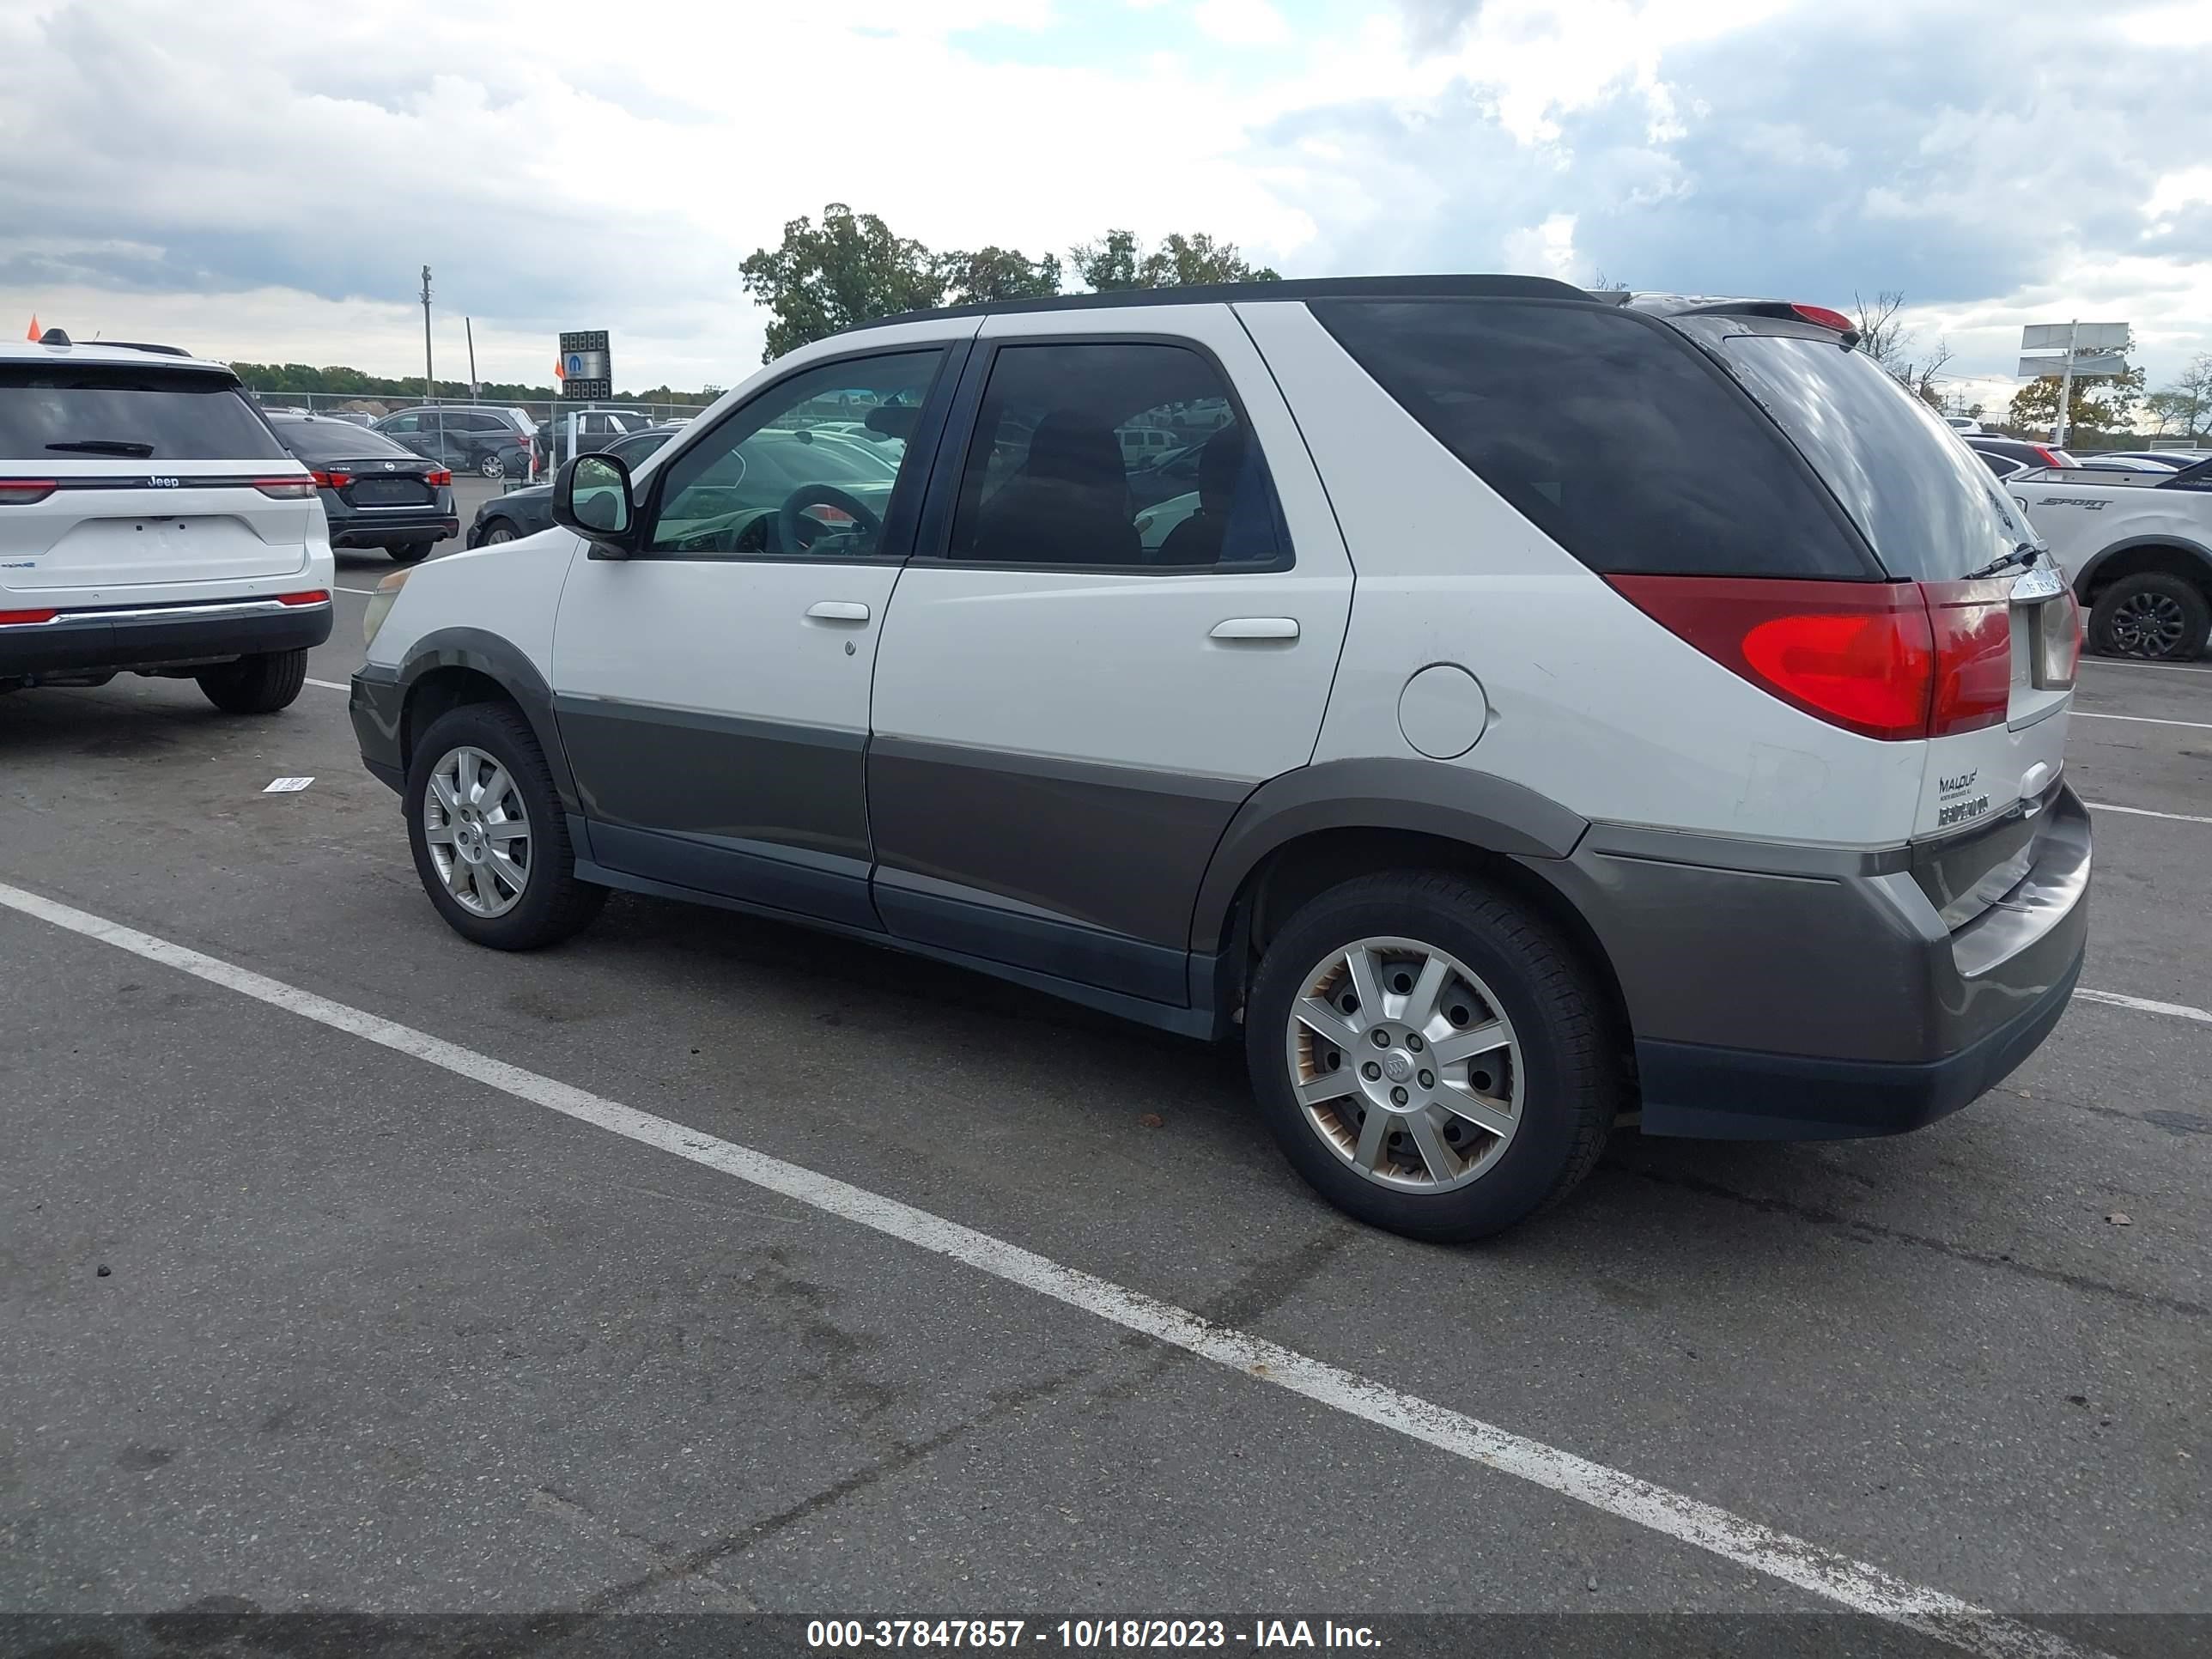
{"points": [[300, 1311]]}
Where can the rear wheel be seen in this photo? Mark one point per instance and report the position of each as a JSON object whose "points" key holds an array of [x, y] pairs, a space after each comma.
{"points": [[408, 552], [2152, 614], [490, 466], [255, 685], [1430, 1055], [490, 842]]}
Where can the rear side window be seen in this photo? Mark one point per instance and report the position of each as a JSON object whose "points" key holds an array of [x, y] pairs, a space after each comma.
{"points": [[93, 411], [1611, 435], [1912, 487]]}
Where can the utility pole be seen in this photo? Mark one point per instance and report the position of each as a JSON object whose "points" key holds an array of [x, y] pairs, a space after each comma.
{"points": [[429, 393], [469, 327]]}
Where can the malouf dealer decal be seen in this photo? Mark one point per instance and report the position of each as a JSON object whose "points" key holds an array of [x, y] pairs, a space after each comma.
{"points": [[1949, 784]]}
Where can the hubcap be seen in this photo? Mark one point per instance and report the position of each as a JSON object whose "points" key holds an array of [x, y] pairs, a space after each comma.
{"points": [[2149, 624], [479, 832], [1405, 1065]]}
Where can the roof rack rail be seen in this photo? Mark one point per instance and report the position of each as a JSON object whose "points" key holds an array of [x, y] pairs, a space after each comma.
{"points": [[140, 345]]}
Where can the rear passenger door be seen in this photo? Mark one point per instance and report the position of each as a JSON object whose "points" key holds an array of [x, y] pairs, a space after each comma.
{"points": [[1075, 688]]}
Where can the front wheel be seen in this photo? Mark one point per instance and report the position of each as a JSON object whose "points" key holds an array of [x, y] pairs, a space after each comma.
{"points": [[2154, 616], [490, 842], [1431, 1055], [255, 685]]}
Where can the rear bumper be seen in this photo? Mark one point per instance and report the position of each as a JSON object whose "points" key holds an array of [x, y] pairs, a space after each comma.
{"points": [[176, 636], [1780, 1004], [363, 531]]}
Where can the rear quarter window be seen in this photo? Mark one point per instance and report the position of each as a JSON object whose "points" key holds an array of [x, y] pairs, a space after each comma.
{"points": [[1608, 431], [47, 410]]}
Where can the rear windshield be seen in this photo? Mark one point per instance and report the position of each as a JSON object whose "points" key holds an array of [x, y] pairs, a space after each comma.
{"points": [[1612, 433], [91, 411], [334, 440], [1931, 510]]}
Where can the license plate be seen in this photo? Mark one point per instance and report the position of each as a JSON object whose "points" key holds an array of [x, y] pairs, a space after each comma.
{"points": [[387, 492]]}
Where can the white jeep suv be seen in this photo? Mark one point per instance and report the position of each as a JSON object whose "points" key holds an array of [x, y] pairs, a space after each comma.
{"points": [[151, 523], [1542, 709]]}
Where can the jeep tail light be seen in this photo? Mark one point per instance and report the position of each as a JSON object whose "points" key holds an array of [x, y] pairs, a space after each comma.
{"points": [[312, 596], [26, 618], [332, 480], [287, 489], [21, 492], [1891, 660]]}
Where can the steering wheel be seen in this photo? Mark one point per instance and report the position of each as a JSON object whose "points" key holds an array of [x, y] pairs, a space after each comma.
{"points": [[788, 531]]}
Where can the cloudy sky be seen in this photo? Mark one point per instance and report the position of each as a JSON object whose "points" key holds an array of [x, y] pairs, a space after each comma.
{"points": [[261, 180]]}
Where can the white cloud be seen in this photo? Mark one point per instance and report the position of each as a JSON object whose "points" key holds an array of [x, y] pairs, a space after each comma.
{"points": [[1242, 22]]}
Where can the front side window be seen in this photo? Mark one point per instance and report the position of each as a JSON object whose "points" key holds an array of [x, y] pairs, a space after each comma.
{"points": [[767, 482], [1060, 470]]}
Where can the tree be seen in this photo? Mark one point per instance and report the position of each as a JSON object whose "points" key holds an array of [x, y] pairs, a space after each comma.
{"points": [[1118, 260], [1884, 335], [852, 270], [2185, 404], [997, 273], [2104, 404]]}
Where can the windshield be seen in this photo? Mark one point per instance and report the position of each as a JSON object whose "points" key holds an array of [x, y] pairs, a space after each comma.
{"points": [[93, 411], [334, 441], [1930, 509]]}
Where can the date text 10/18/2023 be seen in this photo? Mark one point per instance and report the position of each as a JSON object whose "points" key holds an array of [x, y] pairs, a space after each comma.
{"points": [[1086, 1634]]}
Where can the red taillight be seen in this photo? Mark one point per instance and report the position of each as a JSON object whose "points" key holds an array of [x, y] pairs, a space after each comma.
{"points": [[26, 618], [332, 480], [1826, 317], [1893, 660], [438, 477], [21, 492], [313, 596], [2049, 459], [286, 489]]}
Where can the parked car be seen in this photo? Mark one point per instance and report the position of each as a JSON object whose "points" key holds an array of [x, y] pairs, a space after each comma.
{"points": [[1962, 424], [521, 513], [489, 442], [2138, 547], [2019, 449], [1666, 752], [374, 493], [2172, 460], [2004, 466], [151, 523], [2112, 463], [596, 429]]}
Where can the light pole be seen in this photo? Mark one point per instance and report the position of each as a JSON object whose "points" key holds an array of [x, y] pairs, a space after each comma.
{"points": [[429, 394]]}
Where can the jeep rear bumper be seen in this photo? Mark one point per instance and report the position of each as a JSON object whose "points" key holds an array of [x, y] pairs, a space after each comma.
{"points": [[167, 637], [1833, 999]]}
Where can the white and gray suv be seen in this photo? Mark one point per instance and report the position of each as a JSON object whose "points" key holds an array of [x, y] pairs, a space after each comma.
{"points": [[1540, 709], [151, 523]]}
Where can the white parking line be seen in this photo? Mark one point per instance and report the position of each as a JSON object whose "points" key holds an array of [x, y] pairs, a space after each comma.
{"points": [[1855, 1584], [366, 592], [2144, 812], [2144, 1005], [2143, 719], [331, 685]]}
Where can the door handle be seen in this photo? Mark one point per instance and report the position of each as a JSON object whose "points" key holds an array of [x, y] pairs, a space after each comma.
{"points": [[1255, 627], [838, 610]]}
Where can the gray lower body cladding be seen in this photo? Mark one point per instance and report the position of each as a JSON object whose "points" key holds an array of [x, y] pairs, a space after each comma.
{"points": [[1824, 1002]]}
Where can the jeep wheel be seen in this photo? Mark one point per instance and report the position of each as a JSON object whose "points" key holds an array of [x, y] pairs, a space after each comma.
{"points": [[255, 685], [1430, 1055]]}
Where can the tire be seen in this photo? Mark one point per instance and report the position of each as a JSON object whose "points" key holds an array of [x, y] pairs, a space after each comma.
{"points": [[498, 530], [548, 903], [2153, 615], [1556, 1067], [489, 465], [255, 685], [410, 552]]}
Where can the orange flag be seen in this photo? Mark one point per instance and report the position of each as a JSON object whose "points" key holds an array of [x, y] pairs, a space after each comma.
{"points": [[32, 337], [560, 372]]}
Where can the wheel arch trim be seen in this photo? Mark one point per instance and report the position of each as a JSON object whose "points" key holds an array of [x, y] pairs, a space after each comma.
{"points": [[2086, 578], [505, 665]]}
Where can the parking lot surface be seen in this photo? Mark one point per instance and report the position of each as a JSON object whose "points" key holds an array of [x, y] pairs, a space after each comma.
{"points": [[309, 1318]]}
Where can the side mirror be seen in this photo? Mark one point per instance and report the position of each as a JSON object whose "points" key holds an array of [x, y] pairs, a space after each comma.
{"points": [[592, 496]]}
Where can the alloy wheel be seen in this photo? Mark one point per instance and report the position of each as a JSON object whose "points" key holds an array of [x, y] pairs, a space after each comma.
{"points": [[478, 831], [1405, 1065], [2149, 624]]}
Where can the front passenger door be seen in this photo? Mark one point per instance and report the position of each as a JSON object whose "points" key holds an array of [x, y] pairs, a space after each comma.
{"points": [[712, 690]]}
